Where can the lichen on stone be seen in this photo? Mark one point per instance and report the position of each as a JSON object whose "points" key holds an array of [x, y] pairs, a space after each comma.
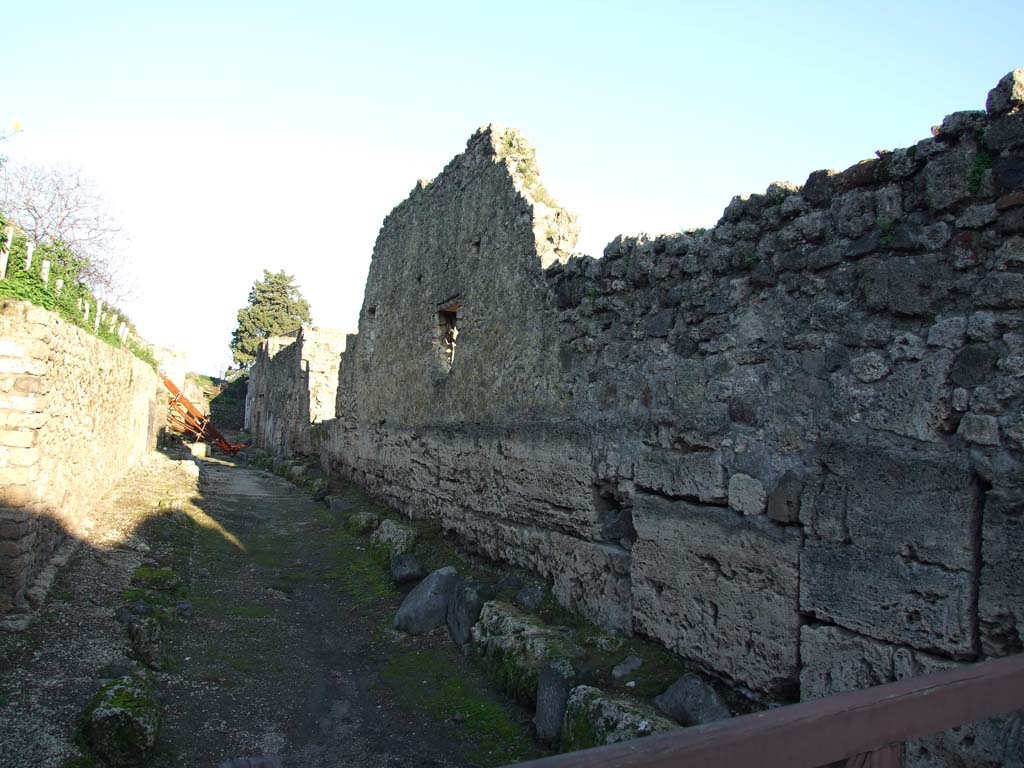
{"points": [[593, 719], [514, 646], [123, 721]]}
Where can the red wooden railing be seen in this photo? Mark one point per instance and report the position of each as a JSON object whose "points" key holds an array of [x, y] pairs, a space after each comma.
{"points": [[862, 729]]}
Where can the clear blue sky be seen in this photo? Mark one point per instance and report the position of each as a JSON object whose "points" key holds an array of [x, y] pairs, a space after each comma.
{"points": [[233, 136]]}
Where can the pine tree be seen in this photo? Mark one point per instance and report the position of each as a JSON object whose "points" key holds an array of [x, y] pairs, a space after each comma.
{"points": [[275, 307]]}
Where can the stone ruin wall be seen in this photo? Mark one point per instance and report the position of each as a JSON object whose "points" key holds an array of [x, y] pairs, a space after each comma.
{"points": [[789, 447], [292, 389], [76, 413]]}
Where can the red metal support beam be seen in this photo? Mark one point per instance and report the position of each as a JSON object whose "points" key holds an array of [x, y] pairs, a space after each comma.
{"points": [[184, 417]]}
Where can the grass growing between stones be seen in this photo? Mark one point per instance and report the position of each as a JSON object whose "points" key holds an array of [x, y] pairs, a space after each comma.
{"points": [[659, 669], [358, 574], [429, 680]]}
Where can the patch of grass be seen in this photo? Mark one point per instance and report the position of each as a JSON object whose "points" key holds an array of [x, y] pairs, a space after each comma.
{"points": [[659, 669], [270, 550], [982, 163], [434, 551], [289, 580], [249, 611], [241, 664], [430, 680], [553, 613], [358, 575], [208, 604], [157, 579], [160, 599]]}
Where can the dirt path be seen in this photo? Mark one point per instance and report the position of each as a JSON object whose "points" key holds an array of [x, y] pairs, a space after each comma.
{"points": [[288, 654]]}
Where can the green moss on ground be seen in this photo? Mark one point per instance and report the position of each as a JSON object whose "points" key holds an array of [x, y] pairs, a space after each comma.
{"points": [[270, 550], [243, 664], [659, 670], [555, 614], [249, 611], [430, 680], [157, 579], [511, 673]]}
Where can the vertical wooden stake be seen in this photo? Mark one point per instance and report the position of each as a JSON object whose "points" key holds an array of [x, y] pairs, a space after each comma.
{"points": [[6, 252]]}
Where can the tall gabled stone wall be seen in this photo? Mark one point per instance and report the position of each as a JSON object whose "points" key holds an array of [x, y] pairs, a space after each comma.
{"points": [[791, 447], [292, 388], [801, 425], [76, 414]]}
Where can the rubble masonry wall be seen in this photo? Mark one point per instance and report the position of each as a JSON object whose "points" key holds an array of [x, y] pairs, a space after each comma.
{"points": [[789, 447], [292, 389], [76, 413]]}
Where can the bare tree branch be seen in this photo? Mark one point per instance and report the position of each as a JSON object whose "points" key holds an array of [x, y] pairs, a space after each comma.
{"points": [[57, 203]]}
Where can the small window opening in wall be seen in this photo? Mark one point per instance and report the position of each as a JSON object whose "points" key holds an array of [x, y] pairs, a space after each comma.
{"points": [[448, 333], [476, 246], [371, 312]]}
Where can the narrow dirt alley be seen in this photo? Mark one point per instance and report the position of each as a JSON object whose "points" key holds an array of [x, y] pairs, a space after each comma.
{"points": [[280, 650]]}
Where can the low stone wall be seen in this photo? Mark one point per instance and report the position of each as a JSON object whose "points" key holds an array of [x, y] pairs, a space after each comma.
{"points": [[292, 389], [76, 413], [790, 448]]}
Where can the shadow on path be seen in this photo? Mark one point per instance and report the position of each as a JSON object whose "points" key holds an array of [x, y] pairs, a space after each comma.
{"points": [[288, 654]]}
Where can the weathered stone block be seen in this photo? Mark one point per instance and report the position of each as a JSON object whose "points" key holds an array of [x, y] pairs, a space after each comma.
{"points": [[979, 429], [393, 538], [699, 476], [123, 720], [720, 588], [948, 332], [888, 597], [836, 661], [464, 609], [517, 646], [1008, 93], [594, 719], [947, 177], [1006, 133], [554, 683], [14, 496], [1001, 593], [912, 401], [784, 500], [17, 438], [747, 494], [692, 701], [426, 607], [907, 286], [913, 503]]}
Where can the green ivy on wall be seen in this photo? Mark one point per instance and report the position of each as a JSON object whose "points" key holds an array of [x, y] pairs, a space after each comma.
{"points": [[71, 301]]}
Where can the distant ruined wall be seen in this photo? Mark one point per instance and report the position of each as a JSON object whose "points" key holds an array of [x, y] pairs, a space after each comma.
{"points": [[292, 388], [790, 448], [76, 413]]}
